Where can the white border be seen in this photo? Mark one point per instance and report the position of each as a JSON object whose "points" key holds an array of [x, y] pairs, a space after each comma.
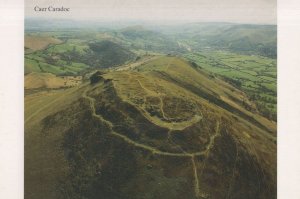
{"points": [[11, 99], [288, 99]]}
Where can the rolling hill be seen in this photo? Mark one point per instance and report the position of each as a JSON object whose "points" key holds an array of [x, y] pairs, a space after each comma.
{"points": [[34, 43], [250, 39], [163, 129], [76, 56], [240, 38], [140, 37], [107, 53]]}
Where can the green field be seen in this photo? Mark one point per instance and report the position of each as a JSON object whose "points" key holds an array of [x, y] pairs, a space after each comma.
{"points": [[71, 45], [78, 52], [255, 75], [58, 68], [50, 61]]}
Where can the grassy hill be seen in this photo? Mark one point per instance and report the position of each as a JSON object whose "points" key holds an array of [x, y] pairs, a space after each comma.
{"points": [[140, 37], [162, 129], [240, 38], [106, 54], [34, 43], [76, 56]]}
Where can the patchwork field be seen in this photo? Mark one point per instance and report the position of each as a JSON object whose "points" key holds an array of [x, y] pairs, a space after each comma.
{"points": [[255, 75], [34, 43]]}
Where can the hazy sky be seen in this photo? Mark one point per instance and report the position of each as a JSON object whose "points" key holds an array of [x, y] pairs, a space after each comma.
{"points": [[240, 11]]}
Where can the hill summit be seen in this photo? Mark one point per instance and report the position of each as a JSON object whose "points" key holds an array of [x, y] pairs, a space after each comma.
{"points": [[164, 129]]}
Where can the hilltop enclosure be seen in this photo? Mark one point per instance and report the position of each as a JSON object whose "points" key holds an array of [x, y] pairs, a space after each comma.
{"points": [[116, 111]]}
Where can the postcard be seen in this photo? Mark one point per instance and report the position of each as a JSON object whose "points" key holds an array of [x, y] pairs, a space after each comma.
{"points": [[150, 99]]}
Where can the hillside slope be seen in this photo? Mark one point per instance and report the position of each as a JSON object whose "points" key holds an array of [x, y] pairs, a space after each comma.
{"points": [[106, 54], [50, 81], [240, 38], [34, 43], [164, 130], [142, 38]]}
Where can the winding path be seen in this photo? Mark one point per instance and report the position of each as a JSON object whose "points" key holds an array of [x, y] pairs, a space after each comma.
{"points": [[155, 150]]}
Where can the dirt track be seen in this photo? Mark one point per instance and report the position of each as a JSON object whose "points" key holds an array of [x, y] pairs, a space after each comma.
{"points": [[157, 151]]}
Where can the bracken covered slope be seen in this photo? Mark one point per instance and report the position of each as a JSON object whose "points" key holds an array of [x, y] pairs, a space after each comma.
{"points": [[162, 130]]}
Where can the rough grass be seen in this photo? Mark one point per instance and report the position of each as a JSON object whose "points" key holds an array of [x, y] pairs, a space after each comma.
{"points": [[48, 80], [39, 42], [117, 138], [45, 163]]}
